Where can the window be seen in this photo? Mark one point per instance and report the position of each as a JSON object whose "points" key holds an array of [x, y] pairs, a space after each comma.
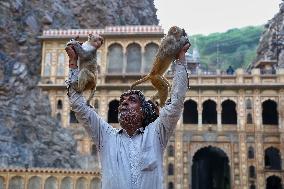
{"points": [[59, 104], [60, 64], [133, 58], [170, 169], [115, 58], [47, 64]]}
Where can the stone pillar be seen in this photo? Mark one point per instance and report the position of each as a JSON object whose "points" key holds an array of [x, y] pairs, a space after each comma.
{"points": [[259, 155], [199, 109], [243, 160], [281, 110], [257, 111], [240, 109], [219, 116], [178, 159], [142, 60], [103, 108]]}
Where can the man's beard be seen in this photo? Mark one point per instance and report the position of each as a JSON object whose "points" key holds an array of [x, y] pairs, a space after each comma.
{"points": [[129, 118]]}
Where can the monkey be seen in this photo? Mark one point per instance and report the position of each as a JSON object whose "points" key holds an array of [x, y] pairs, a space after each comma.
{"points": [[171, 44], [87, 77]]}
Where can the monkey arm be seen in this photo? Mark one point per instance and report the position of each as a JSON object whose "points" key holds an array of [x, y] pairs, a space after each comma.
{"points": [[96, 127], [171, 112]]}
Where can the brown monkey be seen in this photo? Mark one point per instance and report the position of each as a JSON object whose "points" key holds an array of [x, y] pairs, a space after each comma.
{"points": [[87, 77], [171, 44]]}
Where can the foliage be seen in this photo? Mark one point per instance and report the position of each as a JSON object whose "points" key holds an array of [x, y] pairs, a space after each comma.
{"points": [[235, 47]]}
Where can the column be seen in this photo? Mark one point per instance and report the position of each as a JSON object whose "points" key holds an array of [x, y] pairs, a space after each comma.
{"points": [[219, 117], [259, 155], [199, 109]]}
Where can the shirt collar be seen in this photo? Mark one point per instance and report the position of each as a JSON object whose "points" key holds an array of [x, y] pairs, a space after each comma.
{"points": [[138, 131]]}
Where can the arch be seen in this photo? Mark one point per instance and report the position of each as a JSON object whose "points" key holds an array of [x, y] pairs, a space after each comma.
{"points": [[249, 118], [210, 169], [81, 183], [209, 112], [190, 113], [248, 104], [170, 185], [34, 182], [252, 173], [61, 64], [250, 152], [269, 112], [229, 114], [134, 58], [16, 182], [95, 183], [171, 151], [59, 104], [50, 183], [113, 111], [151, 50], [171, 170], [72, 117], [272, 158], [273, 182], [66, 183], [115, 58]]}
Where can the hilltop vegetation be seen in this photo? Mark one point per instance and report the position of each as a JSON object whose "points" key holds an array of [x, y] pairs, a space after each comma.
{"points": [[236, 47]]}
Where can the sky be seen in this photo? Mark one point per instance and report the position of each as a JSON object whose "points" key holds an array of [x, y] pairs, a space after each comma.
{"points": [[210, 16]]}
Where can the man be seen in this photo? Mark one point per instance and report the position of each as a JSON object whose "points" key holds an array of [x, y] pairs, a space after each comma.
{"points": [[132, 157]]}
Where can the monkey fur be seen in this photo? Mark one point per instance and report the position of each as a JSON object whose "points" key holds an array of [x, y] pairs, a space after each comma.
{"points": [[171, 44], [87, 77]]}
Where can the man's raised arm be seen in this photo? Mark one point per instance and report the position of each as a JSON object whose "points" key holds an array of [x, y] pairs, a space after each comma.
{"points": [[170, 114], [95, 126]]}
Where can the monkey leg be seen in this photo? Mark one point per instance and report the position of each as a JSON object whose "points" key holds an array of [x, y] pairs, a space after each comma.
{"points": [[167, 82], [84, 77], [162, 86], [93, 89]]}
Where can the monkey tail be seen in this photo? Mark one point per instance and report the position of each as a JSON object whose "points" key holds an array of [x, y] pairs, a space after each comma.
{"points": [[140, 81]]}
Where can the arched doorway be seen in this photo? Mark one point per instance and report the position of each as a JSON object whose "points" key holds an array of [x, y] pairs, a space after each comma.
{"points": [[229, 113], [269, 112], [210, 169], [190, 113], [209, 112], [272, 158], [112, 115], [273, 182]]}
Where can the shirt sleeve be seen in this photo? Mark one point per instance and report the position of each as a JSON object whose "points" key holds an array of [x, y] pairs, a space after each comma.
{"points": [[171, 112], [94, 125]]}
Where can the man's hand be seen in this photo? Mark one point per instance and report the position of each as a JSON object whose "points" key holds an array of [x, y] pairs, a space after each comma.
{"points": [[73, 57], [181, 54]]}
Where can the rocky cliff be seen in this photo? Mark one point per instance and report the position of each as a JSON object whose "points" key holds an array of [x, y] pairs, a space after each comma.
{"points": [[29, 136], [271, 45]]}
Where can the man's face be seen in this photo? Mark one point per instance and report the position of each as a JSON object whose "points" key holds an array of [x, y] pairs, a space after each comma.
{"points": [[130, 111]]}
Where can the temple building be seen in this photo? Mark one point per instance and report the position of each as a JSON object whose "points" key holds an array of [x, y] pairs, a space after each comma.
{"points": [[230, 135]]}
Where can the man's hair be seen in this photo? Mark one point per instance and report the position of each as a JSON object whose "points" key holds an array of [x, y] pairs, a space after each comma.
{"points": [[149, 109]]}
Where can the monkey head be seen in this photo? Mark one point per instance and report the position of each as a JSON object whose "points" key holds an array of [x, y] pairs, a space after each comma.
{"points": [[95, 40], [179, 34]]}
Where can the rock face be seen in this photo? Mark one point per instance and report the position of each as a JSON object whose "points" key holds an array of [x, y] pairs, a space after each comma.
{"points": [[28, 134], [271, 45]]}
